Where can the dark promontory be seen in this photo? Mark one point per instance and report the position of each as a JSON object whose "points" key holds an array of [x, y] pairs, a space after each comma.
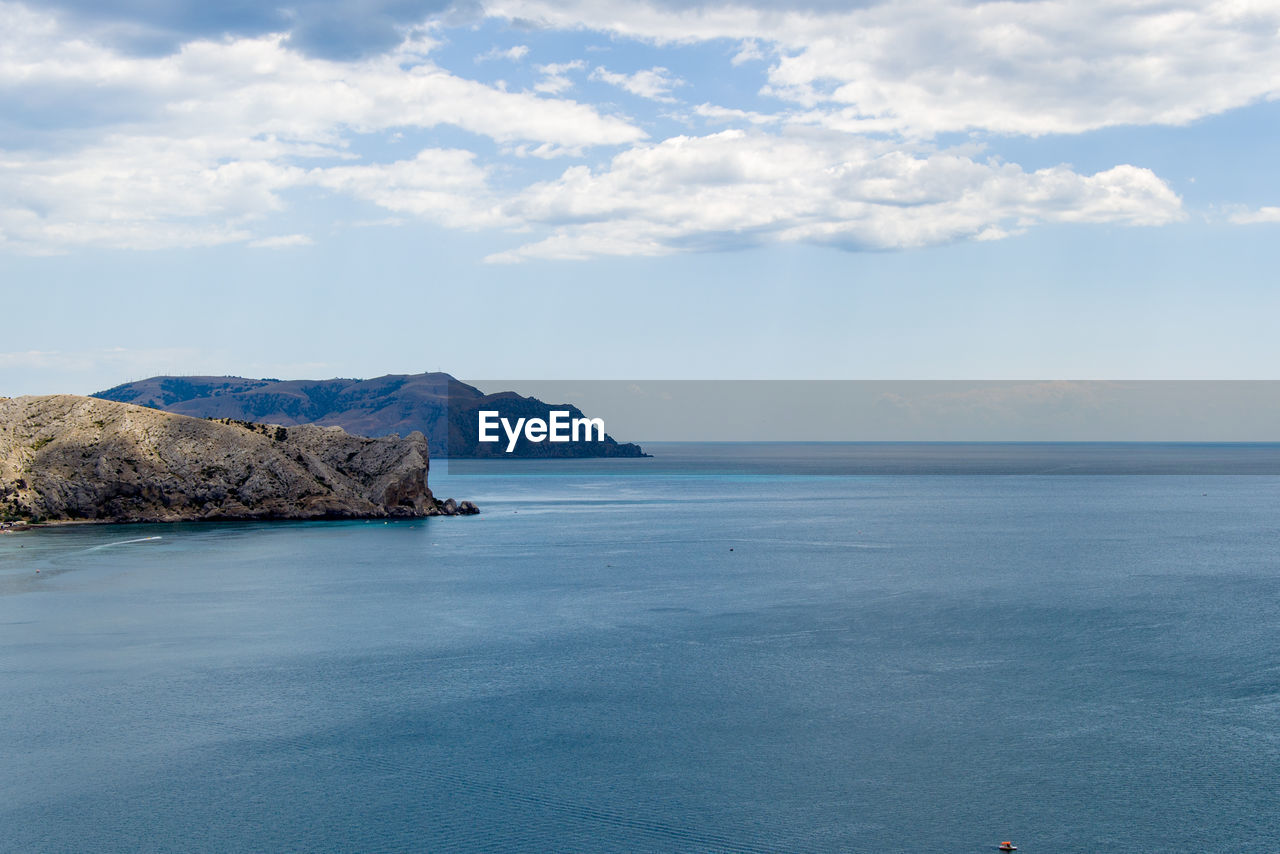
{"points": [[436, 404]]}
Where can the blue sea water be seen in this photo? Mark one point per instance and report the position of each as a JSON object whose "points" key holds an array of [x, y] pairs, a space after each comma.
{"points": [[674, 659]]}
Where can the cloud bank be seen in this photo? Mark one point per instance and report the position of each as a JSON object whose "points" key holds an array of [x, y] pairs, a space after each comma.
{"points": [[922, 67], [735, 189], [192, 125]]}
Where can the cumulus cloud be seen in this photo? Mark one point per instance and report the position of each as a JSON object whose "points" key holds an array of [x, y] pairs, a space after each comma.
{"points": [[206, 143], [222, 129], [141, 192], [727, 114], [555, 78], [1251, 217], [445, 186], [749, 51], [512, 54], [917, 66], [735, 189], [652, 83], [922, 67]]}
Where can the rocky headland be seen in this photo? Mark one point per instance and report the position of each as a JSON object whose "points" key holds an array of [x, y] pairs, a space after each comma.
{"points": [[64, 457], [437, 404]]}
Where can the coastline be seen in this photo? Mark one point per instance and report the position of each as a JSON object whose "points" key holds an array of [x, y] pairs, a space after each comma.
{"points": [[461, 508]]}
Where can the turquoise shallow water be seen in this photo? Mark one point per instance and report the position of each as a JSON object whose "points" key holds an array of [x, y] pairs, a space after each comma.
{"points": [[659, 662]]}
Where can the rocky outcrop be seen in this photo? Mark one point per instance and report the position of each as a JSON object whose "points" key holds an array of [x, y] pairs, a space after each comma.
{"points": [[69, 457], [449, 507]]}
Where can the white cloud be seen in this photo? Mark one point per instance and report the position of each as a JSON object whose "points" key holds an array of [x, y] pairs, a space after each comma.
{"points": [[220, 137], [727, 114], [511, 54], [748, 51], [445, 186], [735, 189], [663, 24], [921, 67], [282, 241], [555, 80], [139, 192], [653, 83], [214, 134], [285, 93], [1250, 217]]}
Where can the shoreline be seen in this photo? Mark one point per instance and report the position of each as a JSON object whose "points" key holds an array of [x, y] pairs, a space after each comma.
{"points": [[22, 526], [66, 523]]}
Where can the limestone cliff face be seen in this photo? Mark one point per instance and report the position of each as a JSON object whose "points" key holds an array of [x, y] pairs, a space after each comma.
{"points": [[69, 457]]}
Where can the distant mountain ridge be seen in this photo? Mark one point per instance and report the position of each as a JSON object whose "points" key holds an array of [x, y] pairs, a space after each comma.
{"points": [[437, 404]]}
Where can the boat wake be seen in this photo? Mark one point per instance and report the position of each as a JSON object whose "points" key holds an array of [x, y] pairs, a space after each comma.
{"points": [[123, 543]]}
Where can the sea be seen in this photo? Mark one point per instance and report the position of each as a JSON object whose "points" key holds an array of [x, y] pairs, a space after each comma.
{"points": [[724, 648]]}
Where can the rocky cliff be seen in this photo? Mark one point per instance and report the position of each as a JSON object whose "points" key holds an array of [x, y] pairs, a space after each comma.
{"points": [[69, 457]]}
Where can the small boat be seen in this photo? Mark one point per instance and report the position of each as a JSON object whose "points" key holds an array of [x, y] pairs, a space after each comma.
{"points": [[1008, 846]]}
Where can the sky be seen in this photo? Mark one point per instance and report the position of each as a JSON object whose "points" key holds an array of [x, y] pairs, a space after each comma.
{"points": [[917, 189]]}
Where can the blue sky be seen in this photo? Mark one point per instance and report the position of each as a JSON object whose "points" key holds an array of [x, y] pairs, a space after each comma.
{"points": [[753, 190]]}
